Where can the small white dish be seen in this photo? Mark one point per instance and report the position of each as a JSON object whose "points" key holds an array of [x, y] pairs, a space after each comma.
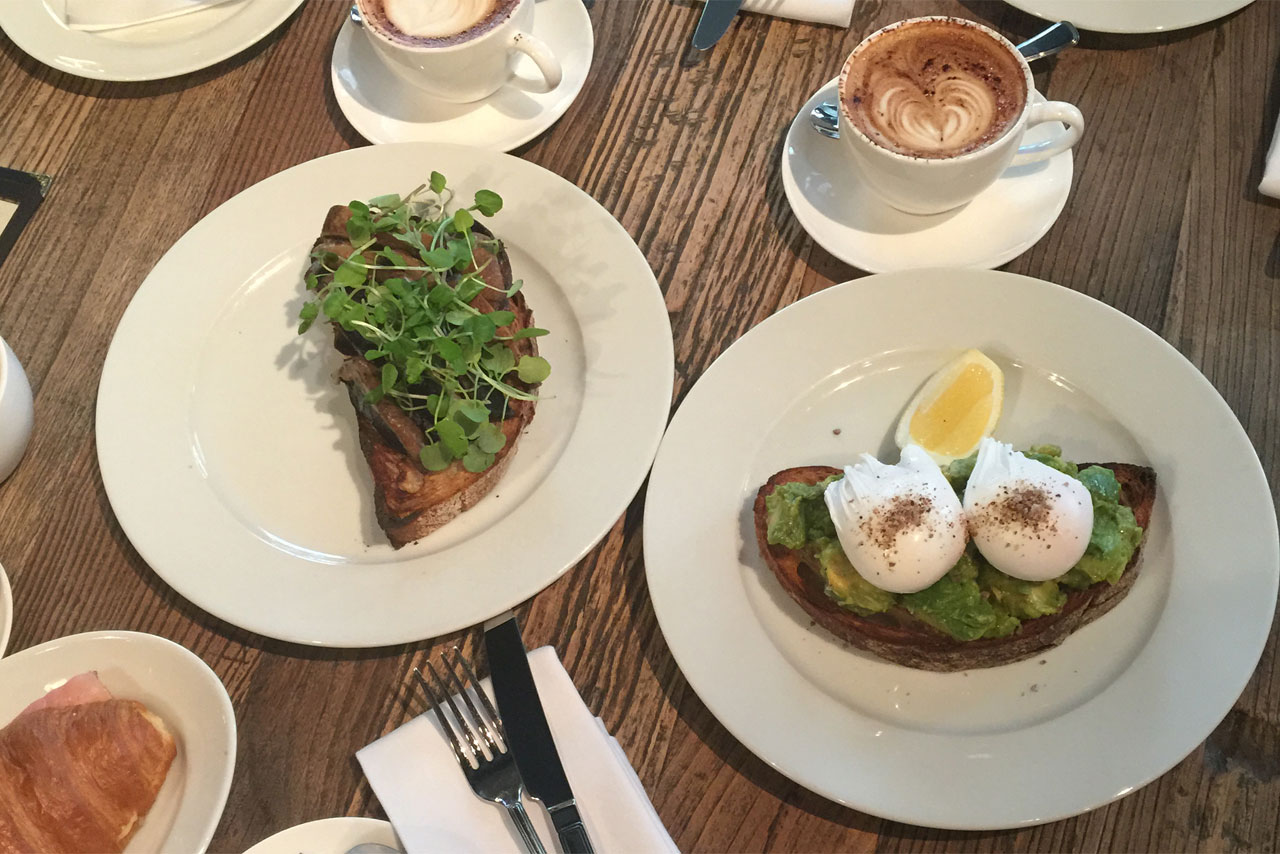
{"points": [[1131, 16], [17, 412], [172, 683], [329, 836], [153, 51], [383, 109], [6, 611], [856, 226]]}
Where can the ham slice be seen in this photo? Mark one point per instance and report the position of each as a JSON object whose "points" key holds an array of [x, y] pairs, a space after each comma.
{"points": [[76, 691]]}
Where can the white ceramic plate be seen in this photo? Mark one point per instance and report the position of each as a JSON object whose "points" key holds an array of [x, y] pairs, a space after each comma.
{"points": [[6, 610], [852, 223], [1131, 16], [384, 109], [174, 684], [330, 836], [167, 48], [1114, 707], [234, 467]]}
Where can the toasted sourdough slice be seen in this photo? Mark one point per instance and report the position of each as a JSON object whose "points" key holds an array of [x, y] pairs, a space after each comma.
{"points": [[409, 501], [897, 636]]}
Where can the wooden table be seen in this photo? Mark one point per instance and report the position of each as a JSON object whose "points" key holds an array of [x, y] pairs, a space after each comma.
{"points": [[1164, 222]]}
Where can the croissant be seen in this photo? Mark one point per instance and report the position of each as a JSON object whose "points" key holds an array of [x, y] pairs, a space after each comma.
{"points": [[80, 778]]}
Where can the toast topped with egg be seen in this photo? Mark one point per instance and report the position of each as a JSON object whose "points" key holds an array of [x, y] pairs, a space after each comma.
{"points": [[440, 357], [923, 599]]}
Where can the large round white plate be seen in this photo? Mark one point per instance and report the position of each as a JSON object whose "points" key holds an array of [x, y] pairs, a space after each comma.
{"points": [[174, 684], [1118, 704], [851, 222], [385, 109], [230, 455], [1131, 16], [330, 836], [167, 48], [6, 610]]}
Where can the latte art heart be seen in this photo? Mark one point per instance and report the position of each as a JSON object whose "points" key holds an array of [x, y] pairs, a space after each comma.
{"points": [[933, 89], [435, 23], [952, 116], [436, 18]]}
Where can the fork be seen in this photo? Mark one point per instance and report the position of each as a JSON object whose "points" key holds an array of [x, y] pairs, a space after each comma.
{"points": [[494, 776]]}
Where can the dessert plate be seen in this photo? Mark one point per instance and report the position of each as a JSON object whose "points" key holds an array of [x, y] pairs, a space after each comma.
{"points": [[332, 836], [1131, 16], [167, 48], [382, 108], [234, 468], [174, 684], [1115, 706], [854, 225]]}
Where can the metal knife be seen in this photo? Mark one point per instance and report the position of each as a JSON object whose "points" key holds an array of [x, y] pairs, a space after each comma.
{"points": [[717, 15], [528, 736]]}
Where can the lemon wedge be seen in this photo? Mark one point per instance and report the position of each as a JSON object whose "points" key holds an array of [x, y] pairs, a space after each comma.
{"points": [[955, 409]]}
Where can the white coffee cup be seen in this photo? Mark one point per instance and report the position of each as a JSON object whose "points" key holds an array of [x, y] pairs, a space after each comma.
{"points": [[929, 185], [467, 70], [16, 411]]}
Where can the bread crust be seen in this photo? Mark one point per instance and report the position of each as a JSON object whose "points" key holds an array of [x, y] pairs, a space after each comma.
{"points": [[409, 501], [899, 637]]}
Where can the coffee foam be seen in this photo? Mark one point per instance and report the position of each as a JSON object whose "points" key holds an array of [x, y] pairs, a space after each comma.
{"points": [[934, 89], [435, 19]]}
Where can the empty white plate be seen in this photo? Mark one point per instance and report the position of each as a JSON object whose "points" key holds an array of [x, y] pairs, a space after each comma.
{"points": [[331, 836], [167, 48]]}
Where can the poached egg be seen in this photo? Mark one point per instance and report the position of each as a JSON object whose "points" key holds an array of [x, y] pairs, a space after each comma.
{"points": [[1029, 520], [901, 526]]}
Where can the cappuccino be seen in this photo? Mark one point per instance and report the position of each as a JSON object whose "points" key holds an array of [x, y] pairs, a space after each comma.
{"points": [[435, 23], [933, 88]]}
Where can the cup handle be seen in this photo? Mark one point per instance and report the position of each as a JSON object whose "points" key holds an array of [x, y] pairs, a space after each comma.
{"points": [[1051, 111], [537, 50]]}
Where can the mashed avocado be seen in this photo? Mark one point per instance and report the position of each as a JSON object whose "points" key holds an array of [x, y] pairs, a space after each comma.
{"points": [[955, 604], [974, 599], [848, 588]]}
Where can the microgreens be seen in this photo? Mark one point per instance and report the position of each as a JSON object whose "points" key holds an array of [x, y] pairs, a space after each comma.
{"points": [[407, 290]]}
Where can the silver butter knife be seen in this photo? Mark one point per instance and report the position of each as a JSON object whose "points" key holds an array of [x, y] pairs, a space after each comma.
{"points": [[717, 15], [527, 734]]}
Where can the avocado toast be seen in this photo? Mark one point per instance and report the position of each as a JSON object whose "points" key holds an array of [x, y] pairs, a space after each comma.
{"points": [[1007, 620], [440, 353]]}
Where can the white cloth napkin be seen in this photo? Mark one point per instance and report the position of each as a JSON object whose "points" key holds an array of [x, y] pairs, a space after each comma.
{"points": [[114, 14], [836, 12], [418, 782], [1271, 168]]}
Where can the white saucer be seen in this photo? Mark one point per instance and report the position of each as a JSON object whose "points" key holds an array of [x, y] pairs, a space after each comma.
{"points": [[382, 108], [330, 836], [853, 224]]}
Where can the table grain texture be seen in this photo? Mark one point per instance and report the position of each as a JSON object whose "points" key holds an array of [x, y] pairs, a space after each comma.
{"points": [[1164, 222]]}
